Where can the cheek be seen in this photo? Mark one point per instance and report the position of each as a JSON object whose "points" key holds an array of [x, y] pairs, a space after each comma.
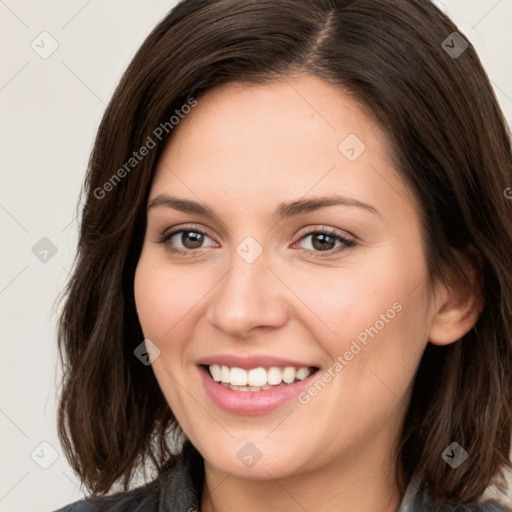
{"points": [[369, 317], [166, 297], [167, 300], [153, 300], [342, 304]]}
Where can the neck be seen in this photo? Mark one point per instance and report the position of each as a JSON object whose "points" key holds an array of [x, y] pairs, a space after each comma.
{"points": [[341, 486]]}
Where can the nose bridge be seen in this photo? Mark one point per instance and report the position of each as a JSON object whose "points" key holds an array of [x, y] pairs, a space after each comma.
{"points": [[248, 295]]}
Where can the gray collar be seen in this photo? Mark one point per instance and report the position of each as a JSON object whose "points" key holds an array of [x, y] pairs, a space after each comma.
{"points": [[181, 486], [181, 483], [415, 498]]}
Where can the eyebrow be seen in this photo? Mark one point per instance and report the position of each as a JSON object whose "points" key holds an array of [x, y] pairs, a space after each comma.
{"points": [[284, 210]]}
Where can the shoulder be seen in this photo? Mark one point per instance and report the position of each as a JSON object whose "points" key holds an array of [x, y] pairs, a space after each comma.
{"points": [[488, 506], [418, 499], [178, 485], [493, 506], [141, 499]]}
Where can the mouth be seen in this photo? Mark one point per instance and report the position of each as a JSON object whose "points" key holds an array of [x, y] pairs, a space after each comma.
{"points": [[258, 390], [259, 378]]}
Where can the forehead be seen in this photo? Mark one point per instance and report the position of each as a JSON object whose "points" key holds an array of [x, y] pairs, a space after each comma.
{"points": [[280, 140], [294, 110]]}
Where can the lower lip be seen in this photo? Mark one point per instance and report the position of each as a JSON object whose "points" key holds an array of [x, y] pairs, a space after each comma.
{"points": [[251, 402]]}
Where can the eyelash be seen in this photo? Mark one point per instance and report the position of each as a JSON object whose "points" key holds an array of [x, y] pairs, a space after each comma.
{"points": [[347, 243]]}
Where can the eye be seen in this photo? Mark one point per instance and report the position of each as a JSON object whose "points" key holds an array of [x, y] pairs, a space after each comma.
{"points": [[185, 240], [320, 243], [324, 241]]}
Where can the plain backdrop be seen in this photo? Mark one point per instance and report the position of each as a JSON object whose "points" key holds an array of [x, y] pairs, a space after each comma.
{"points": [[50, 108]]}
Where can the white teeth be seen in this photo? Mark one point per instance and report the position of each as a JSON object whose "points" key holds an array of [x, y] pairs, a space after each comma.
{"points": [[224, 374], [215, 372], [257, 379], [275, 376], [238, 377], [302, 373], [289, 374]]}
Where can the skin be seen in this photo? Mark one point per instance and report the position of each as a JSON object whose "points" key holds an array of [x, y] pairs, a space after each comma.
{"points": [[242, 151]]}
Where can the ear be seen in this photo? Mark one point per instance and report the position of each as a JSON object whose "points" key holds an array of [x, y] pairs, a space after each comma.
{"points": [[457, 308]]}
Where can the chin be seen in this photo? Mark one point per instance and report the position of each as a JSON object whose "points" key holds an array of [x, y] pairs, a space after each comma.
{"points": [[259, 460]]}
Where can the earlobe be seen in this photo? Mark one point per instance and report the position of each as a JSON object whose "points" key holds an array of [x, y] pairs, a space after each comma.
{"points": [[457, 306]]}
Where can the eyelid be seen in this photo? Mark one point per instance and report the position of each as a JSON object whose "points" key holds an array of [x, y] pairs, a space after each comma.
{"points": [[186, 227], [326, 229], [305, 231], [346, 241], [172, 231]]}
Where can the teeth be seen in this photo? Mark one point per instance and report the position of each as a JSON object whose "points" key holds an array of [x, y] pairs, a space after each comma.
{"points": [[224, 374], [257, 379], [215, 372], [302, 373], [289, 374], [275, 376], [238, 377]]}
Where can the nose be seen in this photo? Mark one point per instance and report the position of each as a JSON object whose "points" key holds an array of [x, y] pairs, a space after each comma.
{"points": [[248, 297]]}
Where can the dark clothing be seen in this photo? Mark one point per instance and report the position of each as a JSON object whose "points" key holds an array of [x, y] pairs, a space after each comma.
{"points": [[179, 489]]}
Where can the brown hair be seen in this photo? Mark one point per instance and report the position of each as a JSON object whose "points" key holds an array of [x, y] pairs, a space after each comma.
{"points": [[450, 144]]}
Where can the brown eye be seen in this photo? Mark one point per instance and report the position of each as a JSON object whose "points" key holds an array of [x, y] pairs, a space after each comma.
{"points": [[185, 240], [191, 239], [327, 242], [323, 242]]}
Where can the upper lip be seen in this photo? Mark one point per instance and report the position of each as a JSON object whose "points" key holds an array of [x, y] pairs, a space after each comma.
{"points": [[249, 362]]}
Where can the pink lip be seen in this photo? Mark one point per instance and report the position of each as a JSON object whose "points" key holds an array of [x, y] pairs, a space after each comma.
{"points": [[250, 361], [252, 402]]}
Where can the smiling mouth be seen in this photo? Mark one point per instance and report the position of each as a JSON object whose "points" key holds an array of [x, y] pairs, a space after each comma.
{"points": [[257, 379]]}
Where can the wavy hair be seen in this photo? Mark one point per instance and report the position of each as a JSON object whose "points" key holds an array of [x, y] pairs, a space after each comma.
{"points": [[450, 144]]}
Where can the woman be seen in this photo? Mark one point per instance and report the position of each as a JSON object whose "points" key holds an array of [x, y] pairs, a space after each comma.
{"points": [[293, 288]]}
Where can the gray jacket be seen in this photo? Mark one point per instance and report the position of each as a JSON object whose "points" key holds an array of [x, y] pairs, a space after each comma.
{"points": [[179, 486]]}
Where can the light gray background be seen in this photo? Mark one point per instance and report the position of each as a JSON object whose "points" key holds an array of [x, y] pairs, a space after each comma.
{"points": [[49, 110]]}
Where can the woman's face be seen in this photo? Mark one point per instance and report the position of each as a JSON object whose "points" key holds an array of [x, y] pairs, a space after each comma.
{"points": [[262, 280]]}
